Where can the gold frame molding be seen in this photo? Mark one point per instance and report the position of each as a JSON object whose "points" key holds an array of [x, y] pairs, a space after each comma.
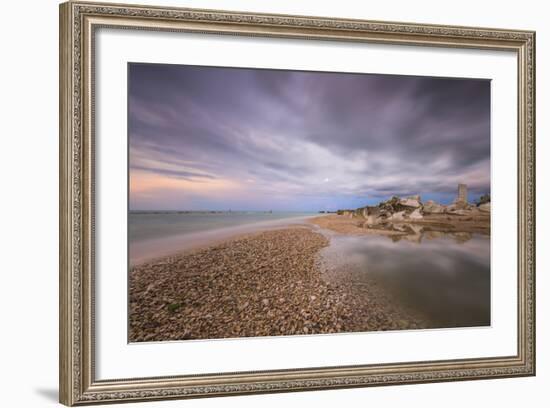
{"points": [[78, 22]]}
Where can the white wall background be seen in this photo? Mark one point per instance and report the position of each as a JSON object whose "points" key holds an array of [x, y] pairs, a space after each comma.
{"points": [[29, 190]]}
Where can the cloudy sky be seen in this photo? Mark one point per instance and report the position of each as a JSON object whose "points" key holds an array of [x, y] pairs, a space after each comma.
{"points": [[207, 138]]}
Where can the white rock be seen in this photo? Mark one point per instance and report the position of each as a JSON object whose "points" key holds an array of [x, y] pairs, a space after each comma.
{"points": [[433, 208], [485, 207], [398, 216], [463, 212], [410, 202], [416, 215], [450, 208]]}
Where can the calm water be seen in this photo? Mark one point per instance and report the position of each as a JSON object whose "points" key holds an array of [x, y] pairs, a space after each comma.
{"points": [[146, 226], [157, 234], [445, 277]]}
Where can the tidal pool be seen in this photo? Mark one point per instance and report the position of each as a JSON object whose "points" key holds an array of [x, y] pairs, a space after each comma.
{"points": [[444, 277]]}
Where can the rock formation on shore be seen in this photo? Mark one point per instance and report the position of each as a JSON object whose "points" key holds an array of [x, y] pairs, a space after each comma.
{"points": [[390, 214]]}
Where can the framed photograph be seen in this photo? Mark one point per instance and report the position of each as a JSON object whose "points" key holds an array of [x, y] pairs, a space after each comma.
{"points": [[256, 203]]}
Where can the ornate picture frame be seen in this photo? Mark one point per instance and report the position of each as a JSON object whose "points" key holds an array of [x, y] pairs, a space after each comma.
{"points": [[78, 24]]}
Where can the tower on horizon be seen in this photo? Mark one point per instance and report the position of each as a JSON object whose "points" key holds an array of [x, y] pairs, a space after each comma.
{"points": [[462, 193]]}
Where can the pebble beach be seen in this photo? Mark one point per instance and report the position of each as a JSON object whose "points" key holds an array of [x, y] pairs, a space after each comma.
{"points": [[267, 283]]}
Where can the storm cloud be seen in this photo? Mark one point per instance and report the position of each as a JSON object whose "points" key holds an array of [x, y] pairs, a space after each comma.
{"points": [[212, 138]]}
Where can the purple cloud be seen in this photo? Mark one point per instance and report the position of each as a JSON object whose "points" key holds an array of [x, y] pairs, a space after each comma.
{"points": [[289, 140]]}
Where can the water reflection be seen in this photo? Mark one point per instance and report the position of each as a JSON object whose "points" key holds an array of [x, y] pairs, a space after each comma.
{"points": [[443, 276]]}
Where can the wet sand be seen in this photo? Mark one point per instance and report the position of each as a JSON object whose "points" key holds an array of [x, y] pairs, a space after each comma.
{"points": [[442, 223]]}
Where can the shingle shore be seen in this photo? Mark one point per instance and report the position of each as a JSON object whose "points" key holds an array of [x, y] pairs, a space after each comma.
{"points": [[263, 284]]}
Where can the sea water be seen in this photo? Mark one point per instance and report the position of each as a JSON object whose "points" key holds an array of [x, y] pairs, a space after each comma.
{"points": [[154, 234]]}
